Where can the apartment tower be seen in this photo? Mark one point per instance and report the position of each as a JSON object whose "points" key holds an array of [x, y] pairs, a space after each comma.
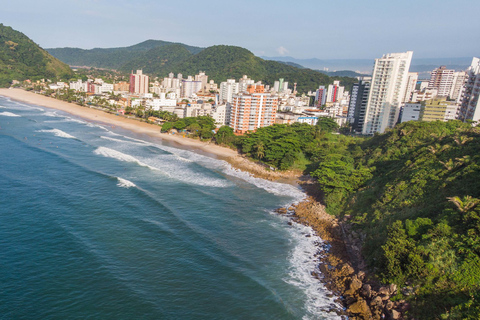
{"points": [[253, 109], [387, 91], [470, 108], [138, 82]]}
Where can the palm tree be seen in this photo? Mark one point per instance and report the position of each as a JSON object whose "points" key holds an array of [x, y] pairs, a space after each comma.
{"points": [[464, 205]]}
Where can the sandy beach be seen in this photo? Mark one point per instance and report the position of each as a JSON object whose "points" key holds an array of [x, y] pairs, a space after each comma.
{"points": [[152, 130]]}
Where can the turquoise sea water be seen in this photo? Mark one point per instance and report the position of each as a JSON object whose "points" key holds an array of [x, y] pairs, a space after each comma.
{"points": [[101, 223]]}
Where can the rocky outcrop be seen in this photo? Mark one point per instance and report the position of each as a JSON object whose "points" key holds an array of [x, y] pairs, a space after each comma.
{"points": [[342, 268]]}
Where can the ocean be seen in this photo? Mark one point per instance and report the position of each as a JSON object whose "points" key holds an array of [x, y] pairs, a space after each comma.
{"points": [[97, 222]]}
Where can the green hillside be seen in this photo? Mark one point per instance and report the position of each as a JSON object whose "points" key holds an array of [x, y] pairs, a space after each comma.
{"points": [[21, 58], [159, 58], [113, 58], [229, 62], [414, 194]]}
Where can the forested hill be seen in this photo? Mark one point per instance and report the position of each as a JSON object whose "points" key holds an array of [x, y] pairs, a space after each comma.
{"points": [[115, 58], [159, 58], [412, 195], [21, 58]]}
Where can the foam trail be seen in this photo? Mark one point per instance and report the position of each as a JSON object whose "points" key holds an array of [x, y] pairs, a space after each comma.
{"points": [[119, 140], [303, 260], [59, 133], [124, 183], [110, 153], [9, 114]]}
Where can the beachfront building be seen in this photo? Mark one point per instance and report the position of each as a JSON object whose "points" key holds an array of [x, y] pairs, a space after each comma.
{"points": [[358, 104], [253, 109], [411, 112], [456, 92], [138, 82], [228, 89], [320, 96], [411, 85], [470, 108], [190, 87], [387, 91], [441, 79], [334, 92], [438, 109]]}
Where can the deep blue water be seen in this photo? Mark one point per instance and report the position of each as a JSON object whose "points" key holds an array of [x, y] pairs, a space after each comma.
{"points": [[101, 223]]}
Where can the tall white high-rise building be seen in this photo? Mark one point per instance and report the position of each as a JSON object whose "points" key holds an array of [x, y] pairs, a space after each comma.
{"points": [[470, 108], [388, 86], [458, 86], [411, 84], [228, 89]]}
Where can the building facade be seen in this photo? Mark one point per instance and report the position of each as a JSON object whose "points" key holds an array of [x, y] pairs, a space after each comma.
{"points": [[253, 109], [470, 107], [389, 83], [138, 82]]}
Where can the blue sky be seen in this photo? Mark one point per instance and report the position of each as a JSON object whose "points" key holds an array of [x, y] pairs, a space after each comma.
{"points": [[342, 29]]}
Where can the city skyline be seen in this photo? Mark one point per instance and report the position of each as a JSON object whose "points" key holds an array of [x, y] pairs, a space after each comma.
{"points": [[316, 29]]}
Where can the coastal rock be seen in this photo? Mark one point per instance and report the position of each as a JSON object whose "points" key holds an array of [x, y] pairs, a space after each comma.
{"points": [[361, 275], [347, 269], [360, 308], [355, 284], [281, 210], [392, 289], [376, 302], [389, 305], [366, 291], [394, 314]]}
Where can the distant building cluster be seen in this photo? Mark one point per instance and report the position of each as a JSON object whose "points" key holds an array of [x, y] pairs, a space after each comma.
{"points": [[391, 95]]}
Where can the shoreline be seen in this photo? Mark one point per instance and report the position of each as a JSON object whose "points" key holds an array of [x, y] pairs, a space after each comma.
{"points": [[341, 267], [210, 149]]}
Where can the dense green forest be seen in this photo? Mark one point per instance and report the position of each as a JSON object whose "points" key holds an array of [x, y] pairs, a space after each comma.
{"points": [[159, 58], [413, 193], [21, 58], [114, 58]]}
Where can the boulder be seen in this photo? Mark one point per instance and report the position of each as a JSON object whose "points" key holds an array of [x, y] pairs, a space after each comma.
{"points": [[389, 305], [361, 275], [394, 314], [366, 291], [355, 284], [377, 302], [392, 289], [361, 308]]}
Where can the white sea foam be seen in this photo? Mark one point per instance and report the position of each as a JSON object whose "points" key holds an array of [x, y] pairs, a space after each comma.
{"points": [[124, 183], [120, 140], [9, 114], [59, 133], [304, 259], [166, 165], [51, 114], [110, 153], [279, 189]]}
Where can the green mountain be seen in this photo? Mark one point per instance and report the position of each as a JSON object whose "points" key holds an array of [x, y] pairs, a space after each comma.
{"points": [[113, 58], [21, 58], [229, 62], [159, 58]]}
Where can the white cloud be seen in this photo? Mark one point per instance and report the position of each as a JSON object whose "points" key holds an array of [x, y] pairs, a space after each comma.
{"points": [[282, 51]]}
